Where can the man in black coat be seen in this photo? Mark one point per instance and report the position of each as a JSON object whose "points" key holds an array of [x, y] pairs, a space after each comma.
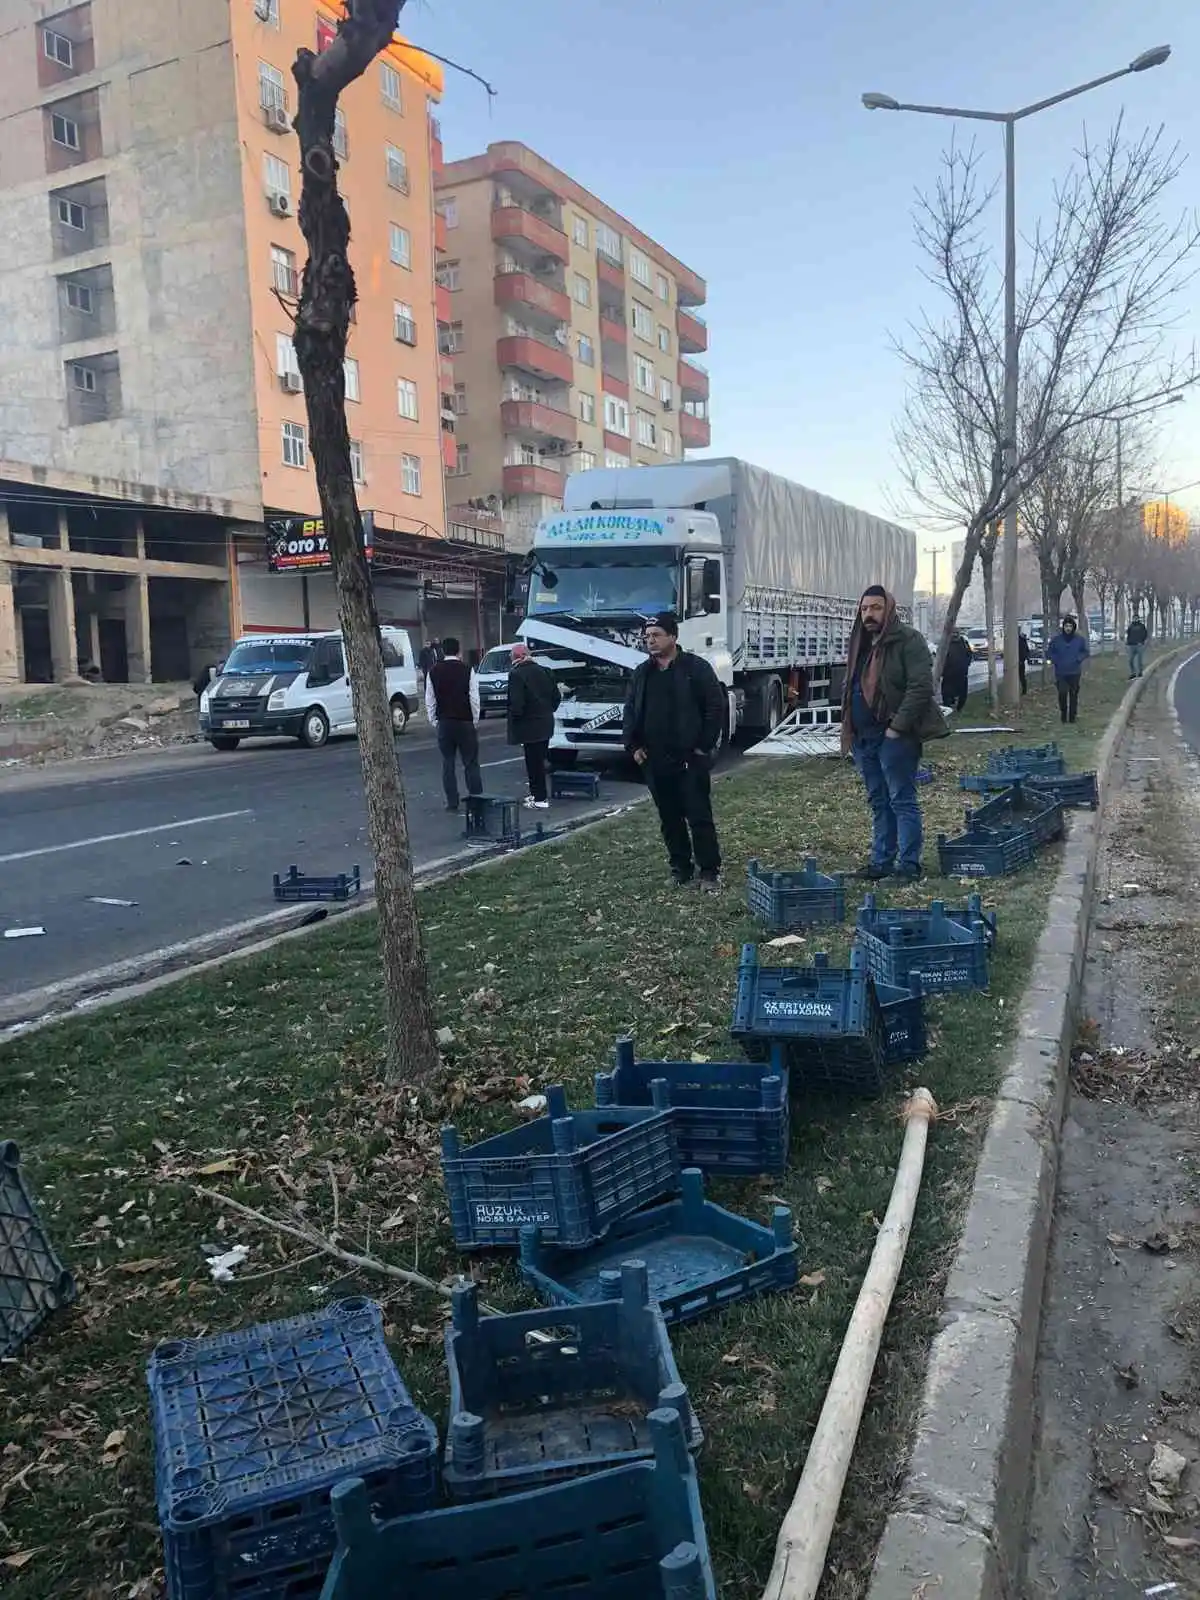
{"points": [[676, 714], [533, 699], [956, 672]]}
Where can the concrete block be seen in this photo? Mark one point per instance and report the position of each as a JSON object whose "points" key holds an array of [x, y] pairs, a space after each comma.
{"points": [[1036, 1074], [922, 1558]]}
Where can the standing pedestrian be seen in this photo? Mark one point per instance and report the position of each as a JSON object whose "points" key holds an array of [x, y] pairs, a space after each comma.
{"points": [[956, 672], [1136, 635], [676, 713], [1022, 659], [452, 706], [888, 711], [533, 698], [1066, 653], [425, 660]]}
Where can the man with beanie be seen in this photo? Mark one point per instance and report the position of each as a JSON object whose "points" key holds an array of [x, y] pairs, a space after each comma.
{"points": [[452, 706], [1066, 653], [676, 713], [888, 711]]}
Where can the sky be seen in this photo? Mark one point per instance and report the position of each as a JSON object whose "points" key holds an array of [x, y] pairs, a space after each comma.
{"points": [[735, 136]]}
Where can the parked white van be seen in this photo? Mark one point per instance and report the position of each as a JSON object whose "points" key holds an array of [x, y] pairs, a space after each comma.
{"points": [[297, 685]]}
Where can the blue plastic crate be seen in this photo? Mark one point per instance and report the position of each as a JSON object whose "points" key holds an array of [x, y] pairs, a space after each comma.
{"points": [[731, 1117], [571, 1174], [828, 1020], [1027, 760], [1040, 811], [985, 782], [492, 817], [304, 886], [631, 1533], [251, 1431], [986, 852], [904, 1020], [784, 900], [1076, 789], [527, 1411], [930, 944], [699, 1257], [968, 912], [33, 1281], [567, 785]]}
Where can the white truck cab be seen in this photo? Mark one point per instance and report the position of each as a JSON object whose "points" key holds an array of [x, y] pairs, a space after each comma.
{"points": [[297, 685]]}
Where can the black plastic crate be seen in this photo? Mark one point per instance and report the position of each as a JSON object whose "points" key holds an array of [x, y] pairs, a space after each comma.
{"points": [[904, 1019], [1076, 789], [828, 1020], [492, 817], [629, 1533], [986, 852], [545, 1395], [731, 1117], [253, 1428], [303, 886], [931, 944], [33, 1281], [804, 899], [1040, 811], [1028, 760], [566, 785], [571, 1174]]}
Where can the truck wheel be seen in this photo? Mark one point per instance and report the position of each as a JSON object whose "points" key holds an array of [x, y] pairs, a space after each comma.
{"points": [[224, 742], [774, 705], [399, 715], [561, 760], [314, 731]]}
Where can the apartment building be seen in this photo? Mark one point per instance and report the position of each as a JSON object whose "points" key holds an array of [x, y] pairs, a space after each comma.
{"points": [[157, 493], [573, 334]]}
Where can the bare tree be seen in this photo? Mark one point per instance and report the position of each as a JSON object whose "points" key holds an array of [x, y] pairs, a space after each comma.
{"points": [[1094, 318], [322, 324]]}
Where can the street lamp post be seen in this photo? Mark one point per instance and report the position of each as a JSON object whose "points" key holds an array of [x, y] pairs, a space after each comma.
{"points": [[1009, 688]]}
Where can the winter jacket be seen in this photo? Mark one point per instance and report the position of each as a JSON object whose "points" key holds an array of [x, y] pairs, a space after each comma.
{"points": [[904, 699], [533, 698], [1066, 653], [1136, 633], [700, 703]]}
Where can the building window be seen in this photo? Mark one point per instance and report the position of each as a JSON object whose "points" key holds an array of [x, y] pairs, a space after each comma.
{"points": [[283, 271], [664, 339], [353, 380], [643, 322], [83, 378], [462, 464], [585, 460], [72, 215], [64, 132], [403, 325], [272, 91], [449, 276], [587, 406], [285, 356], [406, 396], [267, 11], [58, 48], [668, 442], [580, 232], [616, 415], [664, 288], [639, 268], [643, 375], [450, 338], [397, 169], [278, 175], [357, 471], [608, 242], [460, 399], [410, 474], [80, 297], [389, 87], [448, 211], [645, 429], [295, 445], [400, 245], [587, 351], [583, 290], [341, 136], [612, 459], [666, 392]]}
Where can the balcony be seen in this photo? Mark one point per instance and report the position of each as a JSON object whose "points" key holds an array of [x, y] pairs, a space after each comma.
{"points": [[529, 354], [525, 479], [441, 233], [611, 384], [511, 225], [692, 331], [538, 421], [444, 302], [449, 453], [610, 272], [695, 433], [693, 381], [522, 289], [446, 372], [612, 327], [616, 443]]}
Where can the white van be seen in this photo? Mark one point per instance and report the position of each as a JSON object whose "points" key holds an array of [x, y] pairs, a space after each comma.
{"points": [[297, 685]]}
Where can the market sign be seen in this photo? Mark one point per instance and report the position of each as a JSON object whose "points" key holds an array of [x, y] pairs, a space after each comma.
{"points": [[299, 544]]}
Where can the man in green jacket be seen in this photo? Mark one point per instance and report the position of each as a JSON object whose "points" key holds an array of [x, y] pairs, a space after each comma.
{"points": [[888, 711]]}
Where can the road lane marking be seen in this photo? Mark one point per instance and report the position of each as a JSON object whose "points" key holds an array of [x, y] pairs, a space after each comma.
{"points": [[114, 838], [510, 762]]}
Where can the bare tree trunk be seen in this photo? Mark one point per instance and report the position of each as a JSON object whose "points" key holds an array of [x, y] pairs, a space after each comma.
{"points": [[962, 582], [321, 331], [1078, 599], [1052, 589], [987, 562]]}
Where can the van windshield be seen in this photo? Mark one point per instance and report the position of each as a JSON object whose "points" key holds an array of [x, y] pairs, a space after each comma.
{"points": [[498, 660], [253, 657]]}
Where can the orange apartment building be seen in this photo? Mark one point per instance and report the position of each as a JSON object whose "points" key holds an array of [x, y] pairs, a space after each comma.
{"points": [[573, 334], [154, 462]]}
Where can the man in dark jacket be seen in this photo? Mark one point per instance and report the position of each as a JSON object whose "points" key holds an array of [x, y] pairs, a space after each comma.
{"points": [[1066, 653], [956, 672], [1136, 635], [1023, 660], [533, 698], [888, 711], [452, 706], [676, 714]]}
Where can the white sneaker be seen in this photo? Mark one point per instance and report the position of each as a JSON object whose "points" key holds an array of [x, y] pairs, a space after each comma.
{"points": [[540, 805]]}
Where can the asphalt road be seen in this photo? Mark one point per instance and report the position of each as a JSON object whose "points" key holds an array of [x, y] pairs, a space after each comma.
{"points": [[1187, 702], [80, 832]]}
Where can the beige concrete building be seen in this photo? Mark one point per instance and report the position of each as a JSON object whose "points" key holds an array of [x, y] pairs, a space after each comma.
{"points": [[573, 335]]}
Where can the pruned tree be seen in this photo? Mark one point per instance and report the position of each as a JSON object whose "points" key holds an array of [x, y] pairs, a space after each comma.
{"points": [[322, 322], [1094, 317]]}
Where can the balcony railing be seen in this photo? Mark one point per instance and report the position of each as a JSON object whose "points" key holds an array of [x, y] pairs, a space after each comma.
{"points": [[511, 223], [693, 379], [522, 478], [695, 433], [612, 327], [535, 418], [692, 331], [610, 272], [530, 352], [522, 289]]}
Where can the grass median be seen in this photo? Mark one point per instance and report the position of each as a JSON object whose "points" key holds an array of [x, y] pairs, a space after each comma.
{"points": [[261, 1079]]}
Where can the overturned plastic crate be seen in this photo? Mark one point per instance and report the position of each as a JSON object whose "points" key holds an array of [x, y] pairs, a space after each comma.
{"points": [[305, 886], [731, 1117], [699, 1257], [931, 944], [252, 1429], [968, 912], [904, 1020], [33, 1281], [628, 1533], [568, 785], [985, 782], [492, 818], [1078, 790], [986, 852], [1041, 811], [804, 899], [828, 1020], [571, 1174], [545, 1395], [1028, 760]]}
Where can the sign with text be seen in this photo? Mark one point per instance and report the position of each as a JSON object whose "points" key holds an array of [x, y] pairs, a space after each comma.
{"points": [[299, 544]]}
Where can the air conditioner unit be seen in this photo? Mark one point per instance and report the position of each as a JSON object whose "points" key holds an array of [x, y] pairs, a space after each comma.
{"points": [[281, 205], [277, 119], [291, 381], [668, 405]]}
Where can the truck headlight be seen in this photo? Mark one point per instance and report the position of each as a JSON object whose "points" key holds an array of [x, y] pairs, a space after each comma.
{"points": [[278, 700], [204, 699]]}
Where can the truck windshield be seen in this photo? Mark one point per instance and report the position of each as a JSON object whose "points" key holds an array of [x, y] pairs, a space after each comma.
{"points": [[255, 656], [624, 583]]}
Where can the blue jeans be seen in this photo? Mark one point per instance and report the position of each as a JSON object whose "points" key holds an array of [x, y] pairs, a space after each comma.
{"points": [[1137, 660], [888, 768]]}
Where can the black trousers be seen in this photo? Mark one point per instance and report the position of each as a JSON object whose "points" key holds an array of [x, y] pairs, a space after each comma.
{"points": [[683, 796], [536, 756], [1021, 670], [955, 691], [1068, 697], [459, 739]]}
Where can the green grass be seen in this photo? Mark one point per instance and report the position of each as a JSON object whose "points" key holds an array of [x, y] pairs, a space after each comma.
{"points": [[271, 1066]]}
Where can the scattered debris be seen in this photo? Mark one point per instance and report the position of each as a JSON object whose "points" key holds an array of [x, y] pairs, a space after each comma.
{"points": [[104, 900], [786, 941], [444, 1038], [24, 933], [1128, 1375], [183, 862], [222, 1266], [1160, 1243], [1166, 1470], [535, 1104]]}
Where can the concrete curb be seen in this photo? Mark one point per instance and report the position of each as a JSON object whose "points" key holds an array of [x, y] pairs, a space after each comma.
{"points": [[958, 1528]]}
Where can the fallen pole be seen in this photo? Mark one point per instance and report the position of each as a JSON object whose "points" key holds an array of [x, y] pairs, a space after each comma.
{"points": [[804, 1537]]}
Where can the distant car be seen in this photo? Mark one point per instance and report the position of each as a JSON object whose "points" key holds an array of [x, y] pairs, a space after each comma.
{"points": [[978, 640]]}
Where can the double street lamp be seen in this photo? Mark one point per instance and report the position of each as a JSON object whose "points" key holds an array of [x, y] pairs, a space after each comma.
{"points": [[1009, 119]]}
